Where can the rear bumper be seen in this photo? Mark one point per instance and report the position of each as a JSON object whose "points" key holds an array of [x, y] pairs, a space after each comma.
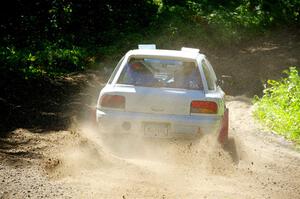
{"points": [[134, 123]]}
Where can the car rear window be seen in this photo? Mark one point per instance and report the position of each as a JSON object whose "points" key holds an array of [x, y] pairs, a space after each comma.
{"points": [[155, 72]]}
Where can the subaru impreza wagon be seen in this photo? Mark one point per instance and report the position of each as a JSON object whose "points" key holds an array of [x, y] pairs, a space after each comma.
{"points": [[163, 93]]}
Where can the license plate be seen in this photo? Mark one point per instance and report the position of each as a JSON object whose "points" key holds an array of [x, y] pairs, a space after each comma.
{"points": [[156, 129]]}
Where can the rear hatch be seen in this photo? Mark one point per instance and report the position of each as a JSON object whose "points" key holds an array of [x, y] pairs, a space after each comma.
{"points": [[158, 100]]}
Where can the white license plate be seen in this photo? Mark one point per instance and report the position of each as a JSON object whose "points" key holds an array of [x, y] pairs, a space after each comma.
{"points": [[156, 129]]}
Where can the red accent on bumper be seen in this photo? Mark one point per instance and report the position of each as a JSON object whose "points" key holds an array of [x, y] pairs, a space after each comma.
{"points": [[223, 134]]}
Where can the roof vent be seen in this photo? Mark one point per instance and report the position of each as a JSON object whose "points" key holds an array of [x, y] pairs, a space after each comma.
{"points": [[147, 46], [194, 50]]}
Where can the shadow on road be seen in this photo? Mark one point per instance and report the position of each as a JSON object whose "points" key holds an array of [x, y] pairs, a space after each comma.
{"points": [[45, 104]]}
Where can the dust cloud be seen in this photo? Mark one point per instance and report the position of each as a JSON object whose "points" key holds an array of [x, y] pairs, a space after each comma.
{"points": [[100, 165], [153, 166]]}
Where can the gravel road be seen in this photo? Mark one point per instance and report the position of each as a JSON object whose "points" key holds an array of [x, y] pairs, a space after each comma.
{"points": [[79, 163]]}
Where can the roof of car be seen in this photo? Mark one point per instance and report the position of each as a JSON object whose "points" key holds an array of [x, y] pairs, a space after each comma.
{"points": [[165, 53]]}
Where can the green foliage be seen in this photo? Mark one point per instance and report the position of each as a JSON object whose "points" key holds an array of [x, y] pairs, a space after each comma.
{"points": [[49, 60], [54, 36], [279, 108], [79, 22], [245, 12], [83, 31], [234, 20]]}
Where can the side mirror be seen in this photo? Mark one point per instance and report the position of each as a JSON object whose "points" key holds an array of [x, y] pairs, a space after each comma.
{"points": [[223, 79], [220, 82]]}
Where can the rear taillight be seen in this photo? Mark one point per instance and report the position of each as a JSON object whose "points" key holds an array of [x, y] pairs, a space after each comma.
{"points": [[112, 101], [207, 107]]}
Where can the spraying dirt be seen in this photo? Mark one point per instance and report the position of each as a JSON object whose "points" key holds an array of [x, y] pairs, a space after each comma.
{"points": [[252, 165], [81, 163]]}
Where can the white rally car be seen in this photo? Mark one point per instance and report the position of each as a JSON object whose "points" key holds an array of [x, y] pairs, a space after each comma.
{"points": [[163, 93]]}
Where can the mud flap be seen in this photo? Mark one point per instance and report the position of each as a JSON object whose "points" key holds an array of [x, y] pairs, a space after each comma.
{"points": [[223, 134]]}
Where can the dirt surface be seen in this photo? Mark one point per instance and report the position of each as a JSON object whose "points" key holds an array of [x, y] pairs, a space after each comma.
{"points": [[79, 163], [49, 152]]}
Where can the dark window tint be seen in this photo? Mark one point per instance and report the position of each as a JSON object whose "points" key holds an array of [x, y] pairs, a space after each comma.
{"points": [[155, 72]]}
